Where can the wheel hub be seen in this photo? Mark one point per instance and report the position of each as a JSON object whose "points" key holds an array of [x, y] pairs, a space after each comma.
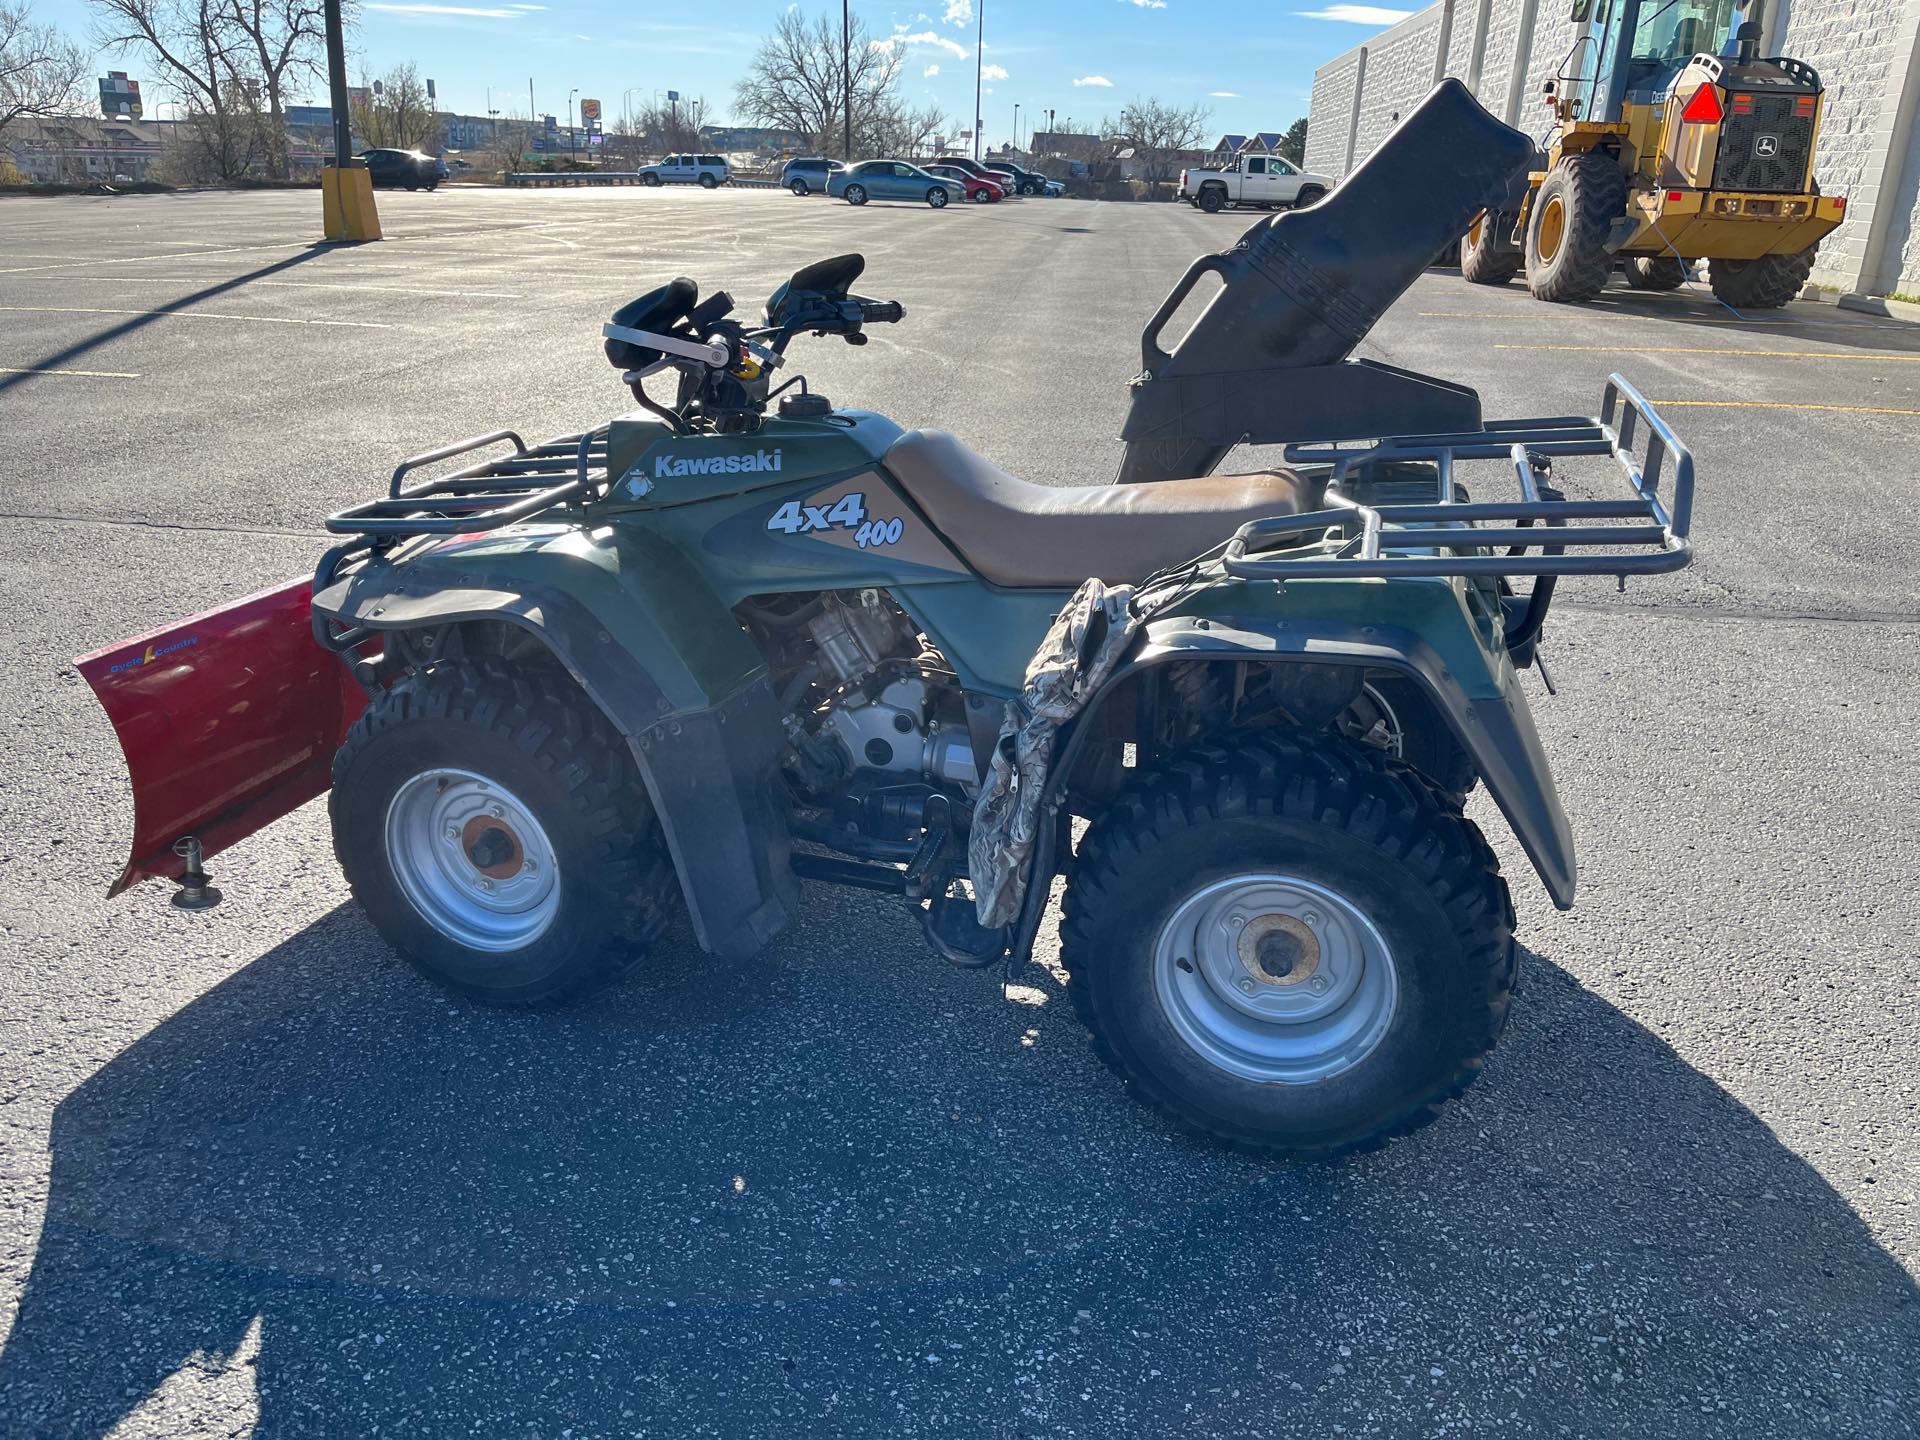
{"points": [[1553, 226], [1275, 978], [472, 859]]}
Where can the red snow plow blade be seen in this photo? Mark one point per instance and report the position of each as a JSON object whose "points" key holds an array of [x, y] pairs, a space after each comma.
{"points": [[228, 721]]}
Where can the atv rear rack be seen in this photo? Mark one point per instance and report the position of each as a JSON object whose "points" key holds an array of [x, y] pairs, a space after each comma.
{"points": [[487, 494], [1449, 536]]}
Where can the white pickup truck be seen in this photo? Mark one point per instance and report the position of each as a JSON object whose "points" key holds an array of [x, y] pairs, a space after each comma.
{"points": [[1265, 181]]}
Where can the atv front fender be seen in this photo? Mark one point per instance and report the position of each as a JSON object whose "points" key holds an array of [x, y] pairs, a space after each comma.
{"points": [[1487, 711], [656, 650]]}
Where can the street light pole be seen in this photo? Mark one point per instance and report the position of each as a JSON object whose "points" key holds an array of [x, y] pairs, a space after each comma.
{"points": [[573, 120], [846, 81], [979, 52], [337, 85], [1016, 124]]}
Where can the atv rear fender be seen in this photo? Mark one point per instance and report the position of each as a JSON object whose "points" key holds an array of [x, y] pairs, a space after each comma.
{"points": [[1486, 709], [646, 639]]}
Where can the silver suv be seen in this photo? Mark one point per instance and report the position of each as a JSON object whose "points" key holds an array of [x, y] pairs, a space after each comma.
{"points": [[706, 171]]}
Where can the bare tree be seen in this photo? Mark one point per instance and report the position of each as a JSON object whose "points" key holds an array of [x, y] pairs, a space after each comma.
{"points": [[400, 116], [286, 39], [673, 126], [795, 80], [1158, 133], [40, 68], [190, 42]]}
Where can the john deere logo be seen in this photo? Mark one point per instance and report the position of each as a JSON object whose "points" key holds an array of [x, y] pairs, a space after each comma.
{"points": [[1764, 145]]}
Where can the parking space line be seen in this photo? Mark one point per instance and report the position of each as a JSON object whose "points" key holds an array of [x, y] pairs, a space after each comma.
{"points": [[192, 315], [1712, 350], [1776, 405], [136, 259], [88, 374], [278, 284]]}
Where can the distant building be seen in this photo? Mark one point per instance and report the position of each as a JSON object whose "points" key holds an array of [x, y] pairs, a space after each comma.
{"points": [[760, 139], [79, 149], [1263, 142]]}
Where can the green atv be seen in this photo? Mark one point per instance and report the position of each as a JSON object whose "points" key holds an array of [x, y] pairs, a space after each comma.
{"points": [[744, 638]]}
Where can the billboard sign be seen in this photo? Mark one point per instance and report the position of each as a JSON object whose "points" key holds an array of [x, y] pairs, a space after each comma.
{"points": [[119, 95], [589, 111]]}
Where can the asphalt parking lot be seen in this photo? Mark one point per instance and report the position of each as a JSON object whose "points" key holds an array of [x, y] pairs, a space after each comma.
{"points": [[255, 1178]]}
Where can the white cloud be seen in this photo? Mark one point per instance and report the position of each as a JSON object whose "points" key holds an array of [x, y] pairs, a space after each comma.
{"points": [[526, 7], [992, 72], [925, 37], [473, 11], [1100, 80], [1223, 94], [930, 72], [1147, 4], [1356, 14], [959, 12]]}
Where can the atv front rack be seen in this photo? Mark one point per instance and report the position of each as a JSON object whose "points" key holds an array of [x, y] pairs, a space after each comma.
{"points": [[1541, 534], [487, 494]]}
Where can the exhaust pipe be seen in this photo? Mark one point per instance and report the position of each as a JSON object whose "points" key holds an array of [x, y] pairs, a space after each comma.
{"points": [[1266, 362]]}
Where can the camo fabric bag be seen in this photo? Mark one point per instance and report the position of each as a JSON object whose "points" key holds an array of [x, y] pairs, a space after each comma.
{"points": [[1080, 650]]}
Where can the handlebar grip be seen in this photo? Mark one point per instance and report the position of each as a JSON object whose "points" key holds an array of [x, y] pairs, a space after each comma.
{"points": [[878, 312]]}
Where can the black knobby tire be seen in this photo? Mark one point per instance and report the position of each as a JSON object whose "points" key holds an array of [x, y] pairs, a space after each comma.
{"points": [[1654, 272], [1763, 284], [1212, 199], [1333, 814], [1309, 196], [1485, 256], [1588, 193], [534, 734]]}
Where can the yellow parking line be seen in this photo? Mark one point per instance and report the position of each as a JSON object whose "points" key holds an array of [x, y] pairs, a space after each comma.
{"points": [[1713, 350], [89, 374], [192, 315], [1776, 405]]}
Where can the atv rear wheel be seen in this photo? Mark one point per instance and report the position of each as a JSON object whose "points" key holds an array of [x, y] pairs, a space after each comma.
{"points": [[1654, 272], [1485, 257], [1763, 284], [1291, 944], [1574, 208], [493, 827]]}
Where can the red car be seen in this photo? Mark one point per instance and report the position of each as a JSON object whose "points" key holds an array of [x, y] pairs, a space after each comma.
{"points": [[975, 169], [984, 191]]}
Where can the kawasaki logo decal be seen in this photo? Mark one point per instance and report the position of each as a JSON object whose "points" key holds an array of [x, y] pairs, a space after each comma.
{"points": [[665, 466]]}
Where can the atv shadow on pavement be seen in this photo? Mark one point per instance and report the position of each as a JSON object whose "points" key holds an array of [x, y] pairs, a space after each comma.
{"points": [[830, 1193]]}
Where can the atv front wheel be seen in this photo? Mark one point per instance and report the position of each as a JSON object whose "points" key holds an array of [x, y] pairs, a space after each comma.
{"points": [[1573, 210], [494, 829], [1294, 945], [1763, 284]]}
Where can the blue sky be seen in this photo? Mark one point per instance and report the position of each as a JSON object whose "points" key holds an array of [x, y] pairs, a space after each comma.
{"points": [[1082, 58]]}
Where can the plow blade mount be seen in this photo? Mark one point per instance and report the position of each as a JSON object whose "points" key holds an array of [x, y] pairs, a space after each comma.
{"points": [[1266, 362], [228, 721]]}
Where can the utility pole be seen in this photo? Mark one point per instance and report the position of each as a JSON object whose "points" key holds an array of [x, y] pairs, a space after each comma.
{"points": [[1016, 124], [572, 121], [532, 114], [846, 81], [979, 52], [347, 210], [337, 84]]}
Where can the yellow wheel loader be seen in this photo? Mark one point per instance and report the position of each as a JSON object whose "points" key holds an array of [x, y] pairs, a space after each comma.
{"points": [[1675, 142]]}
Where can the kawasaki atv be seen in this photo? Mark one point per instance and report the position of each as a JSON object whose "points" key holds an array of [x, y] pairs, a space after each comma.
{"points": [[742, 637]]}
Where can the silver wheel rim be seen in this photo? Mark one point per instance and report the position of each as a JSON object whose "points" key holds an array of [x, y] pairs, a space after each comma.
{"points": [[472, 860], [936, 198], [1275, 979]]}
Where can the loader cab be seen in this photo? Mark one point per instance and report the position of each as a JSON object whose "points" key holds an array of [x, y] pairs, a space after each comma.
{"points": [[1629, 51]]}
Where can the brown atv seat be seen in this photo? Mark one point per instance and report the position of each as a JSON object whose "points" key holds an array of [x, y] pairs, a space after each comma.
{"points": [[1016, 533]]}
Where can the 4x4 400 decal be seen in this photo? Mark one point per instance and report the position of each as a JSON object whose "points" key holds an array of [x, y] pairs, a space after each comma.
{"points": [[849, 512]]}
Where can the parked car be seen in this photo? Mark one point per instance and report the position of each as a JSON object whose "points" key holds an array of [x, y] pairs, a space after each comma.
{"points": [[411, 168], [1025, 181], [890, 180], [805, 175], [1264, 181], [972, 186], [977, 170], [706, 171]]}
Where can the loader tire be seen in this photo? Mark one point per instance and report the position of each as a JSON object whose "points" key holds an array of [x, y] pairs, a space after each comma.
{"points": [[1485, 258], [1391, 884], [1567, 259], [1654, 272], [1763, 284], [494, 828]]}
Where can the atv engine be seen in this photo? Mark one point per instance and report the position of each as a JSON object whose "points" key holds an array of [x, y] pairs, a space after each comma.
{"points": [[891, 709]]}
